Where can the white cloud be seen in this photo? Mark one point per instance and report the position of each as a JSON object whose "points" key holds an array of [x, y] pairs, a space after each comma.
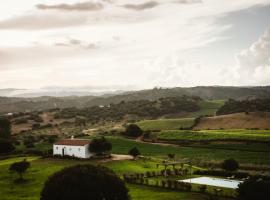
{"points": [[254, 62], [113, 45]]}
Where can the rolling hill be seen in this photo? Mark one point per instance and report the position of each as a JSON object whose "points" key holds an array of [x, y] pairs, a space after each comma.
{"points": [[252, 120], [15, 104]]}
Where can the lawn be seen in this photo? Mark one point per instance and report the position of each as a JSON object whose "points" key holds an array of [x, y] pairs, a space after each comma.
{"points": [[166, 124], [248, 135], [42, 168]]}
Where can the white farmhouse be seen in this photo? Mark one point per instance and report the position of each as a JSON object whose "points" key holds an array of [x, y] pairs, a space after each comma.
{"points": [[72, 147]]}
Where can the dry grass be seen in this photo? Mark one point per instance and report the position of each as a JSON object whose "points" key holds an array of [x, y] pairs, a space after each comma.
{"points": [[259, 120]]}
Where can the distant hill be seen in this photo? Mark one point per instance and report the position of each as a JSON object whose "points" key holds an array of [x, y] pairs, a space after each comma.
{"points": [[208, 93], [16, 104], [252, 120], [233, 106]]}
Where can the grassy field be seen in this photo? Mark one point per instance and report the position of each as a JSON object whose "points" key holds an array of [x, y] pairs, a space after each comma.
{"points": [[42, 168], [249, 135], [207, 108], [166, 124], [122, 146]]}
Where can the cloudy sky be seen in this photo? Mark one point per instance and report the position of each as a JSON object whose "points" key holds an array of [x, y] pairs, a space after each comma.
{"points": [[134, 43]]}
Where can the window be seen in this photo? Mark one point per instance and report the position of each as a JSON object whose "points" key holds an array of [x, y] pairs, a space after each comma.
{"points": [[79, 149], [69, 149], [57, 148]]}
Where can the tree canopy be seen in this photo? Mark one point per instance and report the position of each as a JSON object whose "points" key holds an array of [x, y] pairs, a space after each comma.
{"points": [[6, 146], [84, 182], [20, 167], [254, 189], [100, 145], [230, 165], [134, 152], [5, 128], [133, 130]]}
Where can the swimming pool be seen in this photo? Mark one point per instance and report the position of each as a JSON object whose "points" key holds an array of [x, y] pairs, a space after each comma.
{"points": [[219, 182]]}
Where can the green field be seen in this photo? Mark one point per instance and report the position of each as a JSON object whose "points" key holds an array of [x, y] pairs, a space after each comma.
{"points": [[166, 124], [207, 108], [122, 146], [42, 168], [248, 135]]}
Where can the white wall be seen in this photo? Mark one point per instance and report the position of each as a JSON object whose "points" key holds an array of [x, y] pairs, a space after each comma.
{"points": [[76, 151]]}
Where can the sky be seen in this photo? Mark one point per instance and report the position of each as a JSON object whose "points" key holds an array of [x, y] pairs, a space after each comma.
{"points": [[134, 44]]}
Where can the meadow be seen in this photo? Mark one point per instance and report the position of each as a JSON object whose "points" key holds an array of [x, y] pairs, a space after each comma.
{"points": [[195, 154], [166, 124], [247, 135], [41, 169]]}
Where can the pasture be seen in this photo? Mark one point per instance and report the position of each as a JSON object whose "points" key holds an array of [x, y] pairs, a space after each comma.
{"points": [[41, 169], [166, 124], [247, 135]]}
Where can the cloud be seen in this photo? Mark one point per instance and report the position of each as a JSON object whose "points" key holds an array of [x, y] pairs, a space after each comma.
{"points": [[255, 61], [188, 1], [42, 21], [83, 6], [142, 6], [77, 43]]}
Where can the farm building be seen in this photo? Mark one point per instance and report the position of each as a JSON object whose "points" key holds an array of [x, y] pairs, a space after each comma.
{"points": [[72, 147]]}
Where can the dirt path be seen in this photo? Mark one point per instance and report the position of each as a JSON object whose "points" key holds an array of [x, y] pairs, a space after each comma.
{"points": [[117, 157]]}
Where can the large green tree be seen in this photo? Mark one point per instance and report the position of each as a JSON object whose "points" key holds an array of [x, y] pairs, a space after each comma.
{"points": [[5, 128], [20, 168], [100, 146], [84, 182], [133, 130]]}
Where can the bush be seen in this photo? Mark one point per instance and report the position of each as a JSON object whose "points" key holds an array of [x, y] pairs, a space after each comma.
{"points": [[134, 152], [230, 165], [20, 168], [222, 173], [100, 146], [84, 182], [6, 146], [133, 130], [254, 189]]}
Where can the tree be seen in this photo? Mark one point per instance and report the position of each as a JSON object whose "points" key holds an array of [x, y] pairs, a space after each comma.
{"points": [[6, 146], [133, 130], [171, 155], [100, 145], [230, 165], [134, 152], [254, 189], [5, 128], [20, 168], [84, 182]]}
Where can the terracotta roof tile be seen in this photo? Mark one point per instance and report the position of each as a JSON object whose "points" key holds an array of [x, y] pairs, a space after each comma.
{"points": [[73, 142]]}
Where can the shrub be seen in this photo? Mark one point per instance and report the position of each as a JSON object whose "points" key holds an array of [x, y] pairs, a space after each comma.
{"points": [[100, 146], [134, 152], [84, 182], [222, 173], [20, 168], [133, 130], [254, 189], [230, 165]]}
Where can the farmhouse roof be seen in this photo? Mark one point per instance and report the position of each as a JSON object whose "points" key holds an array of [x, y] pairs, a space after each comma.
{"points": [[73, 142]]}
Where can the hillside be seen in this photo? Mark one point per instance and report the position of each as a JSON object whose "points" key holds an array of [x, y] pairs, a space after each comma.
{"points": [[233, 106], [15, 104], [260, 120]]}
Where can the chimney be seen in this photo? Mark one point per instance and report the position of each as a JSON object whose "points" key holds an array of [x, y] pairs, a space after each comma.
{"points": [[72, 137]]}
